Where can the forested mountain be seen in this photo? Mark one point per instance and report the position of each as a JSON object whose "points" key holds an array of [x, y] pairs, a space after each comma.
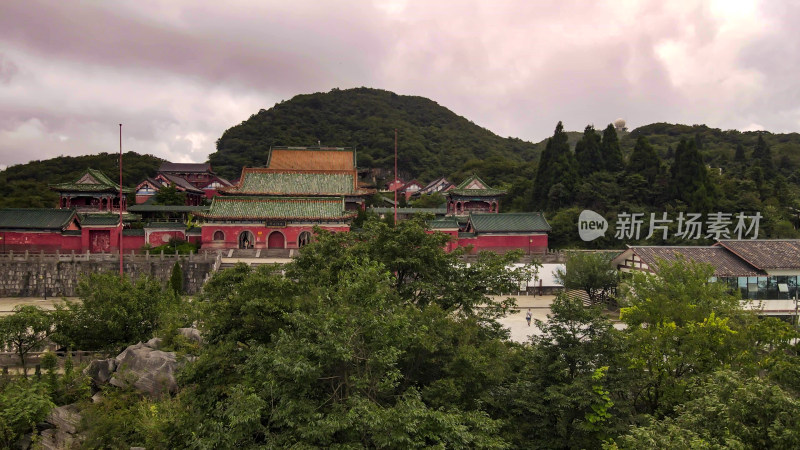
{"points": [[659, 167], [26, 185], [433, 141]]}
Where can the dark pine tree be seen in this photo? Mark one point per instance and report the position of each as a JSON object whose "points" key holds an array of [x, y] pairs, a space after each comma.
{"points": [[690, 181], [610, 151], [556, 166], [587, 153], [739, 156], [762, 154], [644, 160]]}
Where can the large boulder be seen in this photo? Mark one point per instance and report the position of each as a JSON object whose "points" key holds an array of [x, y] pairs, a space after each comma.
{"points": [[100, 371], [154, 343], [66, 420], [192, 334], [147, 369]]}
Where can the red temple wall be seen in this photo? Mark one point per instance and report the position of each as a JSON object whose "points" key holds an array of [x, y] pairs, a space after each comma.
{"points": [[142, 198], [38, 241], [260, 233], [534, 243], [132, 243], [156, 238]]}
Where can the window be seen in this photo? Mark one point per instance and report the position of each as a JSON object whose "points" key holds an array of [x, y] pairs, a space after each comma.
{"points": [[219, 235]]}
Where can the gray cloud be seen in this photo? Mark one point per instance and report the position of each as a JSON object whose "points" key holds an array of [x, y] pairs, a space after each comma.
{"points": [[178, 73]]}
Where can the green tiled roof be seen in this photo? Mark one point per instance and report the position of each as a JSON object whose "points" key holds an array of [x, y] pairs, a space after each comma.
{"points": [[260, 208], [462, 190], [469, 180], [383, 210], [447, 222], [35, 218], [133, 232], [144, 207], [508, 222], [297, 183], [477, 192], [175, 225], [102, 184], [105, 219]]}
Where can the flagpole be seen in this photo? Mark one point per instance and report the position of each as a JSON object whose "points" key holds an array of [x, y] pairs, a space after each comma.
{"points": [[396, 187], [120, 200]]}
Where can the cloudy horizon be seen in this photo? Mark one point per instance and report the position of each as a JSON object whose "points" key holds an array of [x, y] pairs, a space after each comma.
{"points": [[179, 73]]}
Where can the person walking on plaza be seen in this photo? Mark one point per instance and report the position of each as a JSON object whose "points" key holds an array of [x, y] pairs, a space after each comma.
{"points": [[528, 317]]}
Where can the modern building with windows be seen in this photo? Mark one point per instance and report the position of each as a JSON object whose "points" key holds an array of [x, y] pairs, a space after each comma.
{"points": [[765, 272]]}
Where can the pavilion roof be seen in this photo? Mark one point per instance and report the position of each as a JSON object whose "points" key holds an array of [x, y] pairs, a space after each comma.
{"points": [[91, 181], [473, 182], [475, 187], [508, 222], [477, 192], [259, 181], [285, 208], [36, 218], [311, 158]]}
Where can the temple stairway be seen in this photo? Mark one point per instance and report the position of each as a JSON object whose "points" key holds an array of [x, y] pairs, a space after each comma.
{"points": [[255, 257]]}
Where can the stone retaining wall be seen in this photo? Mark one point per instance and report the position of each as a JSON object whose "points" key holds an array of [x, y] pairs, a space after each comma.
{"points": [[57, 275]]}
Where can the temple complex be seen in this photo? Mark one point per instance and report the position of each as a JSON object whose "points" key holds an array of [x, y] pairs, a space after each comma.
{"points": [[277, 206]]}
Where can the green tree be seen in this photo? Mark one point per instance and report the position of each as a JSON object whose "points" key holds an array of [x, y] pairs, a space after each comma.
{"points": [[426, 275], [587, 153], [556, 165], [739, 156], [113, 312], [610, 150], [644, 160], [23, 404], [176, 279], [726, 411], [169, 195], [561, 396], [591, 273], [679, 326], [690, 180], [762, 154], [25, 331], [355, 346], [434, 200]]}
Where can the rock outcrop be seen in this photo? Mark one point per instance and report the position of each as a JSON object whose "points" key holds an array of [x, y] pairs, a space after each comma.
{"points": [[142, 366], [147, 369], [65, 421]]}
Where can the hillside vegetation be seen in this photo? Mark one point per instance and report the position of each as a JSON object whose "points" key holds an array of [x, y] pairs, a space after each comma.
{"points": [[26, 185], [433, 140]]}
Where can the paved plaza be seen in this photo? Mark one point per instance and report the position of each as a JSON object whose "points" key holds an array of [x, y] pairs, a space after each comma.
{"points": [[7, 304], [520, 331]]}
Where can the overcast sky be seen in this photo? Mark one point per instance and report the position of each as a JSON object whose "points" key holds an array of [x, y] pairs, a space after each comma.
{"points": [[177, 73]]}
